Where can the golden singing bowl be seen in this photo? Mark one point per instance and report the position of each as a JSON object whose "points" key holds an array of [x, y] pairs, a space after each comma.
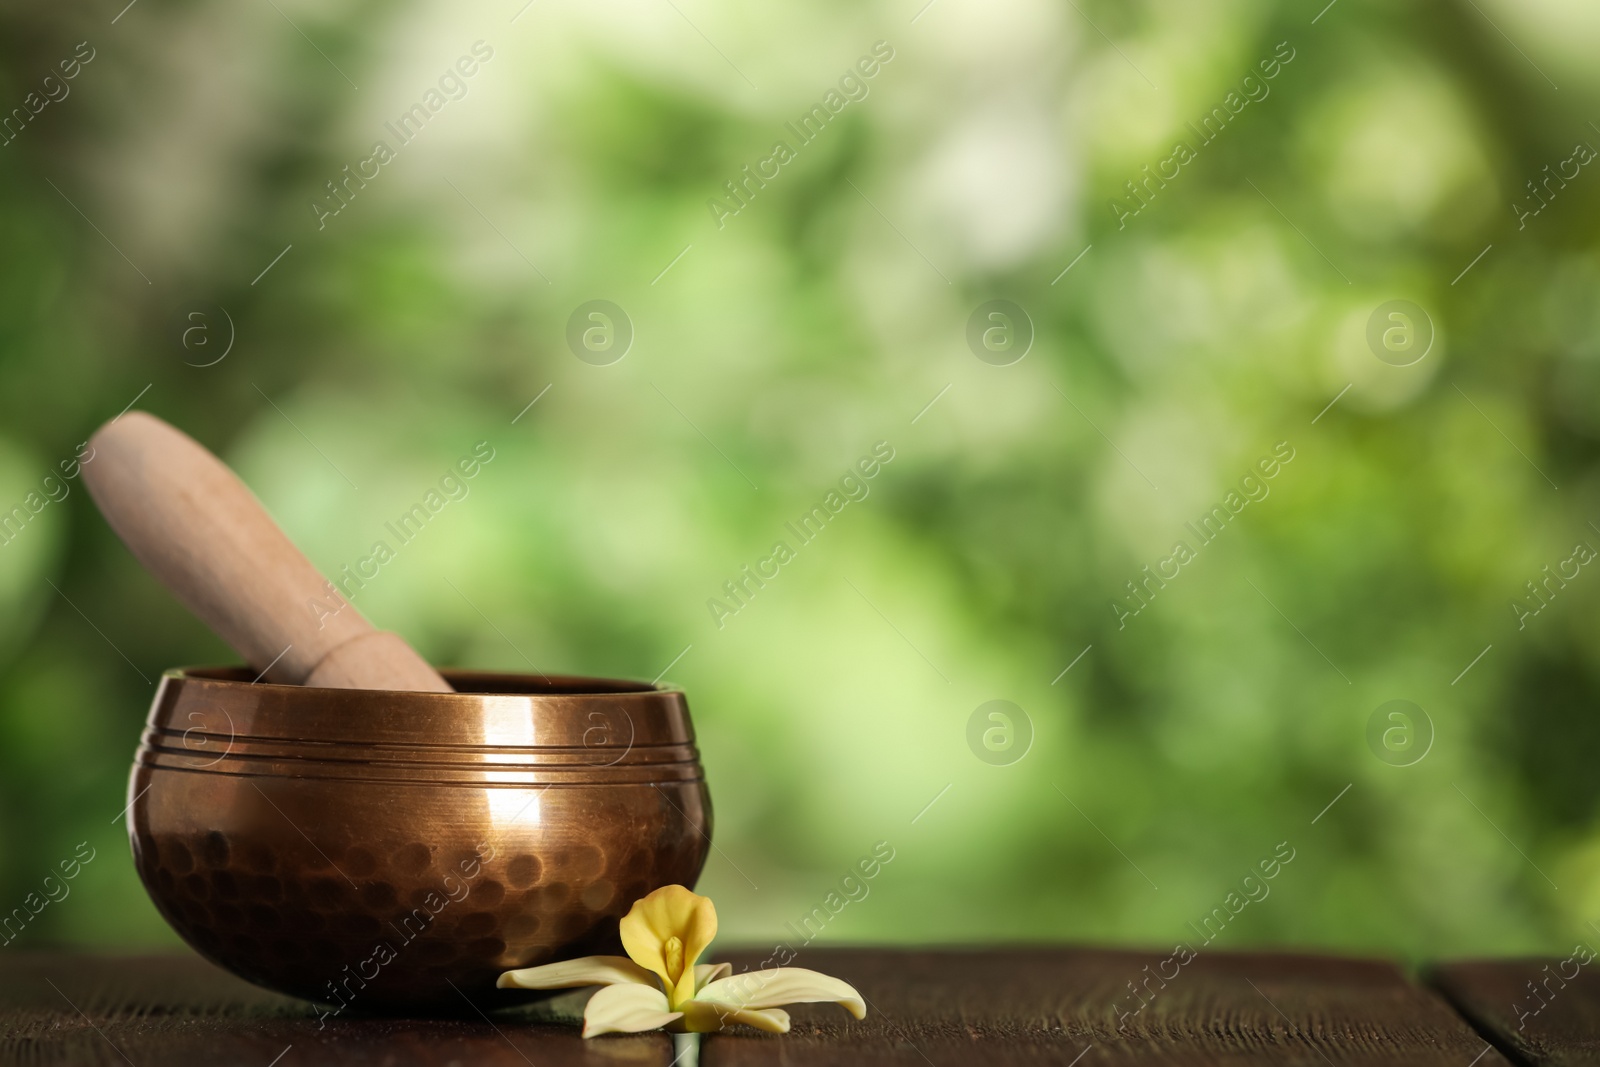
{"points": [[397, 851]]}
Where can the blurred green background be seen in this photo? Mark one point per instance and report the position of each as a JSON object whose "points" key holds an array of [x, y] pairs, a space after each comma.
{"points": [[772, 351]]}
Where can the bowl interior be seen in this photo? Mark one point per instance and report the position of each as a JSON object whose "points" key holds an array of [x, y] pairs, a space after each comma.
{"points": [[465, 681]]}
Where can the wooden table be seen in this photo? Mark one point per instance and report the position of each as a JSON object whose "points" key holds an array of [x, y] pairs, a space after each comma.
{"points": [[934, 1006]]}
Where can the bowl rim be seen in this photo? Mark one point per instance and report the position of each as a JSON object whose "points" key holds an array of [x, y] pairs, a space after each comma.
{"points": [[538, 684], [501, 727]]}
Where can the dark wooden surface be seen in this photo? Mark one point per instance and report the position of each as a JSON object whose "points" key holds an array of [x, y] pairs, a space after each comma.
{"points": [[1556, 1023], [941, 1007], [1051, 1005], [177, 1010]]}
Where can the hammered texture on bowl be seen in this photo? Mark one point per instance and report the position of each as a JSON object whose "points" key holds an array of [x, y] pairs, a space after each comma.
{"points": [[383, 851]]}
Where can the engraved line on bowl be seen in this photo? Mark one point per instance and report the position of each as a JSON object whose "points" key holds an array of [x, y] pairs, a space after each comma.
{"points": [[473, 783]]}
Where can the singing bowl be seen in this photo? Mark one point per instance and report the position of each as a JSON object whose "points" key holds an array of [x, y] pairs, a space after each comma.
{"points": [[394, 851]]}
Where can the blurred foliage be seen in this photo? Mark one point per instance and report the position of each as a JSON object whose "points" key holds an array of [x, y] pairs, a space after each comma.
{"points": [[773, 352]]}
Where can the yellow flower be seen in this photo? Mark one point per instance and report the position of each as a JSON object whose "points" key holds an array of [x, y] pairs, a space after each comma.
{"points": [[665, 985]]}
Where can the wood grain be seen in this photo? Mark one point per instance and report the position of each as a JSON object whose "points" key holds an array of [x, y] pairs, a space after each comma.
{"points": [[1556, 1022], [173, 1011], [1008, 1006], [204, 535], [1028, 1006]]}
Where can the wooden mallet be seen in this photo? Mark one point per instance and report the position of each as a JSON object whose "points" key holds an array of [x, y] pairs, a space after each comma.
{"points": [[204, 535]]}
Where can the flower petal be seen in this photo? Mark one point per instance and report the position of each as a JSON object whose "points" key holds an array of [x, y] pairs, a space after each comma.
{"points": [[627, 1009], [588, 970], [671, 911], [782, 985], [710, 972], [704, 1017]]}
